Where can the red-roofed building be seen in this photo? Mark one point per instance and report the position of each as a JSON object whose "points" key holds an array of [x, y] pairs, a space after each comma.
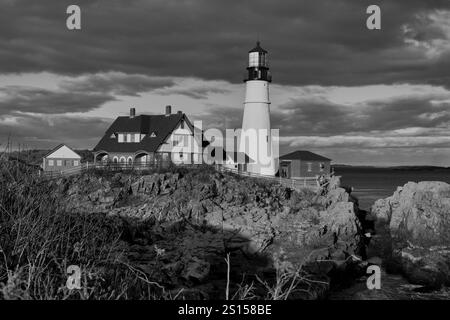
{"points": [[302, 164]]}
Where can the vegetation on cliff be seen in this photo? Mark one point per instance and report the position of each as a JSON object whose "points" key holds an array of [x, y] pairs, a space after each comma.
{"points": [[164, 235]]}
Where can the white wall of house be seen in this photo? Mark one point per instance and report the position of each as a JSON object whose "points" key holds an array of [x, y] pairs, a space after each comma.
{"points": [[183, 145]]}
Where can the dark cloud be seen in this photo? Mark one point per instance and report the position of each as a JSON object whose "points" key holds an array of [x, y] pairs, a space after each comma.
{"points": [[117, 83], [310, 42], [321, 117], [37, 100], [195, 92], [81, 94], [46, 132]]}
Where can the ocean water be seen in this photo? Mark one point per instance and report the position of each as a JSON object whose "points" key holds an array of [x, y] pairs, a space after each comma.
{"points": [[370, 184]]}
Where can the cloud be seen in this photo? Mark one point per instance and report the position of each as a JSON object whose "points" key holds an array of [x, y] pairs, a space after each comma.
{"points": [[116, 83], [194, 92], [80, 94], [37, 100], [320, 116], [46, 132], [209, 39], [367, 142]]}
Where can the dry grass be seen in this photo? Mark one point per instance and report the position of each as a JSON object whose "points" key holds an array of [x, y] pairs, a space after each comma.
{"points": [[38, 241]]}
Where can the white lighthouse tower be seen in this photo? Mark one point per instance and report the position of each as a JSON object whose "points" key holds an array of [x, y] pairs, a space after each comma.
{"points": [[256, 137]]}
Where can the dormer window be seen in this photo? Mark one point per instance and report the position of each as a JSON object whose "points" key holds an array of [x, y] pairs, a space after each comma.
{"points": [[182, 125], [129, 137]]}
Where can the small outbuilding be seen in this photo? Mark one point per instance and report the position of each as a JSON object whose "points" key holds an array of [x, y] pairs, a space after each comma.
{"points": [[303, 164], [60, 158]]}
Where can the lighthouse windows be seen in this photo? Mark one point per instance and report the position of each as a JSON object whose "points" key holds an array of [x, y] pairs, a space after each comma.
{"points": [[253, 59]]}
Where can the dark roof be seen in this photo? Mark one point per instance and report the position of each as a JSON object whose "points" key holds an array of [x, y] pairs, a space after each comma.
{"points": [[303, 155], [161, 125], [258, 48], [56, 148]]}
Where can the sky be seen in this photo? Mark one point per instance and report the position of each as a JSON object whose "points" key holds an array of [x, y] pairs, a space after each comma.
{"points": [[357, 96]]}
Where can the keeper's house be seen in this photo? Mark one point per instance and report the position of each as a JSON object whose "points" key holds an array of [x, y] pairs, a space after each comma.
{"points": [[149, 139], [60, 158], [303, 164]]}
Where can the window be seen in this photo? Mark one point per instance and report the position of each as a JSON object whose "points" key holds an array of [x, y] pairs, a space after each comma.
{"points": [[125, 138], [51, 163], [253, 59], [59, 163], [113, 136], [181, 155], [322, 166], [182, 125], [75, 163], [121, 139], [176, 140], [309, 166], [153, 134], [130, 160], [115, 160], [137, 137]]}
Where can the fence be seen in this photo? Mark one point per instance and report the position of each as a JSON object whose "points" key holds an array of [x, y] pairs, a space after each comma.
{"points": [[299, 183], [111, 166]]}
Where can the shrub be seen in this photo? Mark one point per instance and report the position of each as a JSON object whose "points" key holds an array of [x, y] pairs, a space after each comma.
{"points": [[38, 241]]}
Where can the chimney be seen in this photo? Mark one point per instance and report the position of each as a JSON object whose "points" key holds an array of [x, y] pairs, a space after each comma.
{"points": [[168, 110], [132, 112]]}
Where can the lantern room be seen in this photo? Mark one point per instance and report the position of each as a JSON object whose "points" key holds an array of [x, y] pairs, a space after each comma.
{"points": [[258, 67], [257, 57]]}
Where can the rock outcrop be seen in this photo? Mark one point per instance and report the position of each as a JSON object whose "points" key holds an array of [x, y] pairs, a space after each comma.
{"points": [[417, 218], [184, 224]]}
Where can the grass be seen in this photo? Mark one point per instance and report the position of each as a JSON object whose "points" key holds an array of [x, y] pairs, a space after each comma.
{"points": [[39, 241]]}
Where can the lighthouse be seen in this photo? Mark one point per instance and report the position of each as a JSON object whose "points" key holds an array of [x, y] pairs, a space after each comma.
{"points": [[256, 137]]}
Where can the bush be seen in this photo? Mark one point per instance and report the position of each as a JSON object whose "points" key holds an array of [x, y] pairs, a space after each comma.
{"points": [[38, 241]]}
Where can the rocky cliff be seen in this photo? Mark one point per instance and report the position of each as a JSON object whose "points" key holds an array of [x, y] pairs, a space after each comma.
{"points": [[180, 226], [416, 222]]}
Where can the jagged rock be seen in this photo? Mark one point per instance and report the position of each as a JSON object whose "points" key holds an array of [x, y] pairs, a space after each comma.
{"points": [[197, 218], [417, 216], [196, 269]]}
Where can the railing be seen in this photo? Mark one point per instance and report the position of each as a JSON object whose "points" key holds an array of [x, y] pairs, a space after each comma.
{"points": [[298, 183], [64, 173], [111, 166]]}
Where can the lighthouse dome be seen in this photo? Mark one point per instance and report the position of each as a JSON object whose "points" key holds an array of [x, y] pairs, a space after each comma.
{"points": [[258, 48]]}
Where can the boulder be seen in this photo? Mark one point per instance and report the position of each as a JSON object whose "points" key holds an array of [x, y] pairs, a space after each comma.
{"points": [[417, 217], [196, 270]]}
